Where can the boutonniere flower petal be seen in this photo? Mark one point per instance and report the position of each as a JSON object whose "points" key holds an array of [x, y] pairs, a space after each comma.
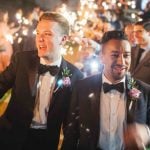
{"points": [[65, 81], [66, 74], [134, 93]]}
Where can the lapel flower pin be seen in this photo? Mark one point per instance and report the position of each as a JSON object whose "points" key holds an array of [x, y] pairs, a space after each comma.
{"points": [[134, 93], [66, 74], [65, 80]]}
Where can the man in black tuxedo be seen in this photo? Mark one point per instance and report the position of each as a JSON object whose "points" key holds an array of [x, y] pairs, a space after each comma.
{"points": [[140, 62], [104, 115], [41, 84]]}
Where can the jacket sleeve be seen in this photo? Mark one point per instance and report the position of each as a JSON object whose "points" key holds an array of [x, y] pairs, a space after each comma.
{"points": [[7, 77]]}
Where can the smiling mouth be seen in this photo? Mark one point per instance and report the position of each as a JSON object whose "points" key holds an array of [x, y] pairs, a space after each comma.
{"points": [[119, 68], [42, 47]]}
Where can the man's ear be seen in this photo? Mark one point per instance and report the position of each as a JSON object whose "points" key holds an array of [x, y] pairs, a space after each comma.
{"points": [[64, 39]]}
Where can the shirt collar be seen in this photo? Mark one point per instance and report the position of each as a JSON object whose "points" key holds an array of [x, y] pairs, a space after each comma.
{"points": [[104, 79]]}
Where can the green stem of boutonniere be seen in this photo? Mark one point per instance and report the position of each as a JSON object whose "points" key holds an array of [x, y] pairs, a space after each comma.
{"points": [[144, 148], [130, 105], [56, 89]]}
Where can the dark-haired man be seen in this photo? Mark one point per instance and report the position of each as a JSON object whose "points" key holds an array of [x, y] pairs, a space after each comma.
{"points": [[109, 111], [140, 62], [41, 85]]}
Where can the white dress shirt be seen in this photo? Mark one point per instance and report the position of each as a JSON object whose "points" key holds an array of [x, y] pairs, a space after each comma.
{"points": [[45, 88], [112, 118]]}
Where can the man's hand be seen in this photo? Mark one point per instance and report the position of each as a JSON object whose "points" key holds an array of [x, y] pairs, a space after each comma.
{"points": [[136, 136]]}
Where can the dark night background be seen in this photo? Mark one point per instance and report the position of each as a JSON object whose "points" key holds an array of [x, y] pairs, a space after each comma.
{"points": [[12, 5]]}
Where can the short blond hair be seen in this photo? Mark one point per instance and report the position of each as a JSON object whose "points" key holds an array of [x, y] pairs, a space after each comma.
{"points": [[56, 17]]}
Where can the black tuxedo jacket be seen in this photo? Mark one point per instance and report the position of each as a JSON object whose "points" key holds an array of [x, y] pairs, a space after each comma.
{"points": [[83, 129], [140, 70], [22, 77]]}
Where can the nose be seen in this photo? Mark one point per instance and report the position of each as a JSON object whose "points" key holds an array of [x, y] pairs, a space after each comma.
{"points": [[40, 37], [135, 34], [121, 60]]}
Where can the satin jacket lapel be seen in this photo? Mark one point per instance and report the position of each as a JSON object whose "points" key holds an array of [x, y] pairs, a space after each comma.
{"points": [[129, 111], [57, 89], [33, 75], [95, 107], [138, 108]]}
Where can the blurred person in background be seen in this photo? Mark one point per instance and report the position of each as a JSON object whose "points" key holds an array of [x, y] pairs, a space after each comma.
{"points": [[6, 52], [140, 62], [146, 14], [6, 49]]}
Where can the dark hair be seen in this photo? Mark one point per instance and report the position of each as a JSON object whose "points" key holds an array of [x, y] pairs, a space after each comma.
{"points": [[56, 17], [118, 35], [145, 24]]}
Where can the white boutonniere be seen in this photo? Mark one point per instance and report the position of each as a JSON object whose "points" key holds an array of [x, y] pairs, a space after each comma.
{"points": [[65, 80], [134, 93]]}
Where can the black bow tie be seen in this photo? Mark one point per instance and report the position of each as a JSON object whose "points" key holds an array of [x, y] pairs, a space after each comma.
{"points": [[119, 87], [45, 68]]}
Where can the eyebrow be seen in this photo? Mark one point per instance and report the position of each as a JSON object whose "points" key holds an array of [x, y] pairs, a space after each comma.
{"points": [[114, 51], [44, 31], [118, 52]]}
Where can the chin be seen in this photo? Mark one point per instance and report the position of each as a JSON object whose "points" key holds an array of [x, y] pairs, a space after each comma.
{"points": [[41, 54], [119, 76]]}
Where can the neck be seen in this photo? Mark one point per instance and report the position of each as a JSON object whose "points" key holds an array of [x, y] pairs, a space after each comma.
{"points": [[145, 45], [46, 60], [112, 80]]}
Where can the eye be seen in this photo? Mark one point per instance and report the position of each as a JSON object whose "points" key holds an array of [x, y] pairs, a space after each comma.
{"points": [[126, 55], [115, 55], [47, 34]]}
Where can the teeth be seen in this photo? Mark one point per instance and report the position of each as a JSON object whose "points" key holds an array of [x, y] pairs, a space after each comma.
{"points": [[120, 68], [42, 46]]}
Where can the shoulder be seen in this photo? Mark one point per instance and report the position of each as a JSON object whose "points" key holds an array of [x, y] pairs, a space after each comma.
{"points": [[138, 83], [73, 69], [143, 86], [70, 65], [90, 81]]}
